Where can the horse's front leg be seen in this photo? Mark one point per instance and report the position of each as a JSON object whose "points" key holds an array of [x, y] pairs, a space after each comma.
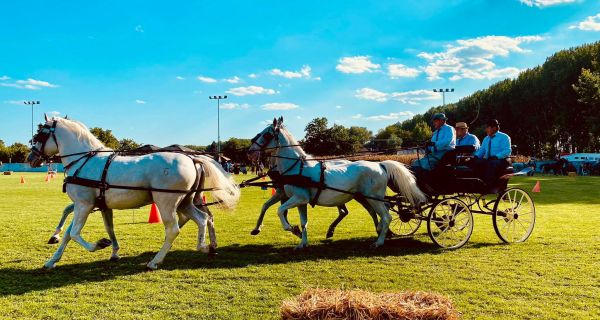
{"points": [[107, 216], [55, 238], [296, 200], [279, 194], [82, 211], [61, 249], [342, 213]]}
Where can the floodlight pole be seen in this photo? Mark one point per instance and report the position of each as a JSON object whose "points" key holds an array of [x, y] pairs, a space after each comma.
{"points": [[218, 98], [32, 103], [443, 91]]}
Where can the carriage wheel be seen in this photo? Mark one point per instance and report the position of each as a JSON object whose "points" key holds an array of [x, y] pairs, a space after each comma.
{"points": [[450, 223], [514, 216], [404, 227]]}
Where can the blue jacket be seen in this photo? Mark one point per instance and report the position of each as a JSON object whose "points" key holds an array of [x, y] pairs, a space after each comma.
{"points": [[468, 140], [444, 138], [497, 145]]}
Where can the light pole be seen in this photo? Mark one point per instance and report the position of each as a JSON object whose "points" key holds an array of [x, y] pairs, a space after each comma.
{"points": [[218, 98], [32, 103], [443, 91]]}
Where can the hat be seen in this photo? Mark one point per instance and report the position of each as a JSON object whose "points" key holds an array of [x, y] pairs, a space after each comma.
{"points": [[461, 125], [439, 116], [492, 123]]}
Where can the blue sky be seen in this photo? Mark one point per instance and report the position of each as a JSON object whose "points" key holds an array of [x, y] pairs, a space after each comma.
{"points": [[145, 69]]}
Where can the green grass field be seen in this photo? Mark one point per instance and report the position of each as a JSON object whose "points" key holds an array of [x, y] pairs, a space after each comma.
{"points": [[554, 275]]}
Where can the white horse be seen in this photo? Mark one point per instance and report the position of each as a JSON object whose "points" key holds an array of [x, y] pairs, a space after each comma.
{"points": [[73, 142], [363, 180]]}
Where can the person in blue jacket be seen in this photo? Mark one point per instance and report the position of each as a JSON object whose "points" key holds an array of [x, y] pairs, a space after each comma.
{"points": [[442, 141], [464, 138], [494, 153]]}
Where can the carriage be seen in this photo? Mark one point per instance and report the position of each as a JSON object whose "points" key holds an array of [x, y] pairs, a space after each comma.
{"points": [[456, 192]]}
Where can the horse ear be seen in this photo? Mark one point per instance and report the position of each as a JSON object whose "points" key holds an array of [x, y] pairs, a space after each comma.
{"points": [[67, 116], [281, 120], [274, 122], [45, 117]]}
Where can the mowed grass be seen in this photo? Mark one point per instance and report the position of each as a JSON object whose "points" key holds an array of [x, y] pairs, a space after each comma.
{"points": [[554, 275]]}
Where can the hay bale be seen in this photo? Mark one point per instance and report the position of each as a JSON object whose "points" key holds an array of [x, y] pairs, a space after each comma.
{"points": [[359, 304]]}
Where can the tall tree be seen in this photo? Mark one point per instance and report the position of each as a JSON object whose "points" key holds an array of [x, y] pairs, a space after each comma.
{"points": [[106, 136]]}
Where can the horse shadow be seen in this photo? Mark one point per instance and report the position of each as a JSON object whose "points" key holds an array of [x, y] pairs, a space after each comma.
{"points": [[17, 281]]}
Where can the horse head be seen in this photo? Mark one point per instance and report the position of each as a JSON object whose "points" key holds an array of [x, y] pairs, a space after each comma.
{"points": [[44, 143], [266, 141]]}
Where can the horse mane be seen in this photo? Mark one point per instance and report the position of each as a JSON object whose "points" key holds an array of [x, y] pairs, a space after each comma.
{"points": [[83, 133], [292, 141]]}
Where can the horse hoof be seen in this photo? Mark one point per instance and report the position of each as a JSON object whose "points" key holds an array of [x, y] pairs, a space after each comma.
{"points": [[212, 250], [329, 235], [114, 258], [103, 243], [300, 247], [375, 245], [203, 249], [54, 239], [48, 266], [389, 235], [296, 231], [151, 267], [255, 232]]}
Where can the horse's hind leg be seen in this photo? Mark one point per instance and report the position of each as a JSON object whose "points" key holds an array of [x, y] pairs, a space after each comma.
{"points": [[191, 212], [342, 213], [384, 222], [55, 238], [167, 205], [107, 216]]}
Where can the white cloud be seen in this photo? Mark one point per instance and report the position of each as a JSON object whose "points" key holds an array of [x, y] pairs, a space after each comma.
{"points": [[250, 90], [253, 76], [139, 28], [472, 58], [207, 79], [408, 97], [338, 107], [180, 78], [357, 116], [234, 79], [545, 3], [391, 116], [304, 72], [18, 102], [231, 106], [4, 78], [371, 94], [357, 64], [402, 71], [279, 106], [29, 84], [138, 101], [591, 23]]}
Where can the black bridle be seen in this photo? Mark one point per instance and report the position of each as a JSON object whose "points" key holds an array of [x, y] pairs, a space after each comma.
{"points": [[42, 136]]}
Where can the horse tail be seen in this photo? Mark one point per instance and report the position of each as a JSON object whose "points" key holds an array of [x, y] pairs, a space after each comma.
{"points": [[401, 180], [225, 191]]}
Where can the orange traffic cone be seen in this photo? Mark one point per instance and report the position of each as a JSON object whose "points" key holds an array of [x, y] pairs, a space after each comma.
{"points": [[22, 179], [203, 199], [273, 191], [537, 187], [47, 178], [154, 214]]}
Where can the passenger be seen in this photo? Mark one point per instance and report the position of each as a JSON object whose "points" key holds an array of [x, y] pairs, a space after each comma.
{"points": [[442, 141], [494, 151], [464, 138]]}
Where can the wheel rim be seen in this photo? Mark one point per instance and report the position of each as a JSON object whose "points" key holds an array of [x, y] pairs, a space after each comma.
{"points": [[514, 217], [450, 223]]}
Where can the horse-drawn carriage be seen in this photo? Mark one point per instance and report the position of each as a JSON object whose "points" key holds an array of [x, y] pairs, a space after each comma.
{"points": [[456, 191]]}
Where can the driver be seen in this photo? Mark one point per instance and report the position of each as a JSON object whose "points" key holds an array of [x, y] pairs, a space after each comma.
{"points": [[442, 141]]}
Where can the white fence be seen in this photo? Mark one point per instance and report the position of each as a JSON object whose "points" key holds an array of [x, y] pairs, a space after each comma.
{"points": [[24, 167]]}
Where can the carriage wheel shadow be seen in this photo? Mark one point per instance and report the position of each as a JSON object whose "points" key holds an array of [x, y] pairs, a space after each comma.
{"points": [[21, 281]]}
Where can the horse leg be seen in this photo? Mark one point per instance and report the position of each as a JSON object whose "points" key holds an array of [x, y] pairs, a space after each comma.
{"points": [[273, 200], [292, 202], [303, 223], [212, 248], [61, 249], [107, 216], [189, 210], [371, 212], [81, 213], [342, 213], [385, 219], [182, 219], [55, 238], [167, 205]]}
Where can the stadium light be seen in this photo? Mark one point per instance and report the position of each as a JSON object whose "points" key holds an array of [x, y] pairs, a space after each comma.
{"points": [[218, 98], [32, 103], [443, 91]]}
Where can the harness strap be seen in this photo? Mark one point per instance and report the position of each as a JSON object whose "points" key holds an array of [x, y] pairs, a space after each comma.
{"points": [[321, 185], [103, 185]]}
